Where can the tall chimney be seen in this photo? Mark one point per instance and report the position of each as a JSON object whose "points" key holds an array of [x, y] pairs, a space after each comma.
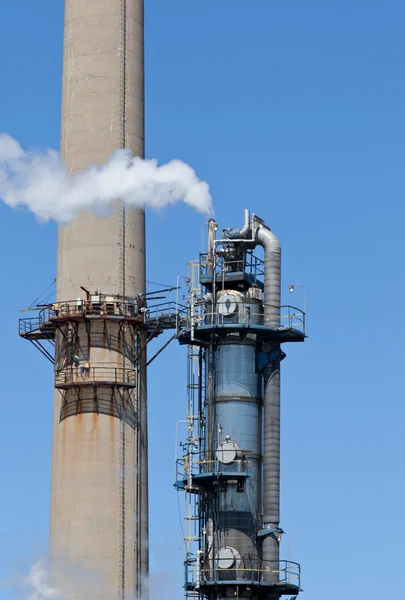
{"points": [[99, 510]]}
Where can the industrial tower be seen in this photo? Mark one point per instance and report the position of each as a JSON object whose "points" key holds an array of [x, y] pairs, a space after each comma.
{"points": [[99, 326], [229, 463], [99, 507]]}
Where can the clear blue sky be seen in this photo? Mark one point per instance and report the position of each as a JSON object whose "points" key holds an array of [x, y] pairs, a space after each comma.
{"points": [[295, 110]]}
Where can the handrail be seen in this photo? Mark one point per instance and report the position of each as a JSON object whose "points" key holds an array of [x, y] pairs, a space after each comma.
{"points": [[82, 374], [204, 462], [247, 263], [289, 572], [165, 309], [79, 308], [28, 325], [291, 317]]}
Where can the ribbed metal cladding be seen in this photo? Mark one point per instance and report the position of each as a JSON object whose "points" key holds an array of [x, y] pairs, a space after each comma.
{"points": [[98, 550], [271, 467], [271, 400], [272, 275]]}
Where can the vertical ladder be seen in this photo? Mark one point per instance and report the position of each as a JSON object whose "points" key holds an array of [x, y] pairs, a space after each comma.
{"points": [[194, 439]]}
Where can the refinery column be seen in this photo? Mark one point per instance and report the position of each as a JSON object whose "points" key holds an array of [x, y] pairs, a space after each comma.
{"points": [[99, 510]]}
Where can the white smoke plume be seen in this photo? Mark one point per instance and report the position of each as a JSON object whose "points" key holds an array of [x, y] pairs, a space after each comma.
{"points": [[40, 182], [38, 585], [33, 585]]}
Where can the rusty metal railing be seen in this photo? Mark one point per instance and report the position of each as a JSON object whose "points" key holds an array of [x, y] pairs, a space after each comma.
{"points": [[89, 375], [106, 306]]}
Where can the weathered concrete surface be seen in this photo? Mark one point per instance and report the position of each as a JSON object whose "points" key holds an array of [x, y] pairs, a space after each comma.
{"points": [[85, 502]]}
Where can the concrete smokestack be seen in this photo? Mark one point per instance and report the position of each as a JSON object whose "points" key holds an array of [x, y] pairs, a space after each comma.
{"points": [[99, 514]]}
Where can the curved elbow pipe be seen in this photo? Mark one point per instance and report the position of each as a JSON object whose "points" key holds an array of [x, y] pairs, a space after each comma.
{"points": [[246, 226], [272, 275]]}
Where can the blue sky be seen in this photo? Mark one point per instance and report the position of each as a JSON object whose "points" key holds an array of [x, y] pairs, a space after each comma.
{"points": [[296, 111]]}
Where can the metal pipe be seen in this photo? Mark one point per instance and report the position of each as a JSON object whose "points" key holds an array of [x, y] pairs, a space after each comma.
{"points": [[272, 275], [186, 279], [212, 230], [271, 463], [246, 226], [192, 315], [176, 447], [210, 547], [209, 399], [271, 401], [198, 569]]}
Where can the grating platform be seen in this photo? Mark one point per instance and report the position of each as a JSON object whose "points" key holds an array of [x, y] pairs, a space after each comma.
{"points": [[280, 588], [202, 333], [210, 479]]}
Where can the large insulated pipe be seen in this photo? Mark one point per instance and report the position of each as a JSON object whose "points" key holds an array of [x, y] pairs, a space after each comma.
{"points": [[272, 275], [271, 404]]}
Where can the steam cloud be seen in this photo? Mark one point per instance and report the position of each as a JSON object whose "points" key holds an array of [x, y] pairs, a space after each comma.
{"points": [[37, 583], [40, 182]]}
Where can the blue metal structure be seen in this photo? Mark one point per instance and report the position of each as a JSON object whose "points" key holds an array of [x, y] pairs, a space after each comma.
{"points": [[228, 467]]}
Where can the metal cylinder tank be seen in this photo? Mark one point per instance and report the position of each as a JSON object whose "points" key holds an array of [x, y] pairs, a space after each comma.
{"points": [[230, 467], [237, 429], [99, 511], [233, 439]]}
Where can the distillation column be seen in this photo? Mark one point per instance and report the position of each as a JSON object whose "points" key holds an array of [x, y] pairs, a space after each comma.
{"points": [[232, 468], [99, 514], [234, 433]]}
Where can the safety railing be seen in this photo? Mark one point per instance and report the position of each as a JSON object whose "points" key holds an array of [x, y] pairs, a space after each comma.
{"points": [[247, 571], [28, 325], [199, 463], [290, 317], [102, 306], [85, 375], [293, 318], [167, 310], [230, 262]]}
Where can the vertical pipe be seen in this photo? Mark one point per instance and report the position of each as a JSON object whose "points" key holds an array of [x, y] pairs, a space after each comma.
{"points": [[209, 400], [271, 468], [271, 404], [212, 229], [272, 276]]}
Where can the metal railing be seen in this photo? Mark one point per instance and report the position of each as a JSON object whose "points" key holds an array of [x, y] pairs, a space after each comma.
{"points": [[254, 571], [293, 318], [198, 463], [232, 262], [167, 310], [290, 317], [168, 315], [28, 325], [105, 306], [85, 375]]}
